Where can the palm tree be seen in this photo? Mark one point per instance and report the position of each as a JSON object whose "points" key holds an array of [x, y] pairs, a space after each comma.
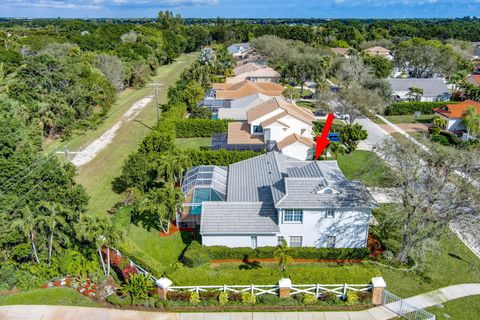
{"points": [[26, 224], [153, 204], [414, 94], [53, 219], [282, 254], [181, 162], [457, 78], [166, 169], [336, 149], [471, 119], [440, 122], [290, 93]]}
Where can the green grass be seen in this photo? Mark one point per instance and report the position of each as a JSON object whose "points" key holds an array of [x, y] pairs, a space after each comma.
{"points": [[367, 167], [51, 296], [155, 253], [410, 118], [467, 308], [269, 273], [306, 104], [454, 264], [96, 176], [193, 143]]}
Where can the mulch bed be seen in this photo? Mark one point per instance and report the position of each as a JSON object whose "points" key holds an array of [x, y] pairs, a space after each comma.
{"points": [[173, 229]]}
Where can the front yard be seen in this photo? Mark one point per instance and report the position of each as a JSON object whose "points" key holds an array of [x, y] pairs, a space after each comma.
{"points": [[367, 167], [460, 309], [51, 296]]}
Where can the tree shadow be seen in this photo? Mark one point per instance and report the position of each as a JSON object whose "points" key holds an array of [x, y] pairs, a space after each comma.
{"points": [[453, 255], [249, 265]]}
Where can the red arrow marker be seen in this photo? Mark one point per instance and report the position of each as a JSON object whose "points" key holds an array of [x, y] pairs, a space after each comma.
{"points": [[322, 141]]}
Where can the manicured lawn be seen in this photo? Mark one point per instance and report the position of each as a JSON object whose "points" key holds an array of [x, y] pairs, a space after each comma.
{"points": [[305, 104], [97, 175], [410, 118], [269, 273], [149, 250], [51, 296], [367, 167], [454, 264], [193, 143], [461, 309]]}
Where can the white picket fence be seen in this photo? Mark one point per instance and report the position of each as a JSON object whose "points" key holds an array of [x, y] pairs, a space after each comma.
{"points": [[317, 289]]}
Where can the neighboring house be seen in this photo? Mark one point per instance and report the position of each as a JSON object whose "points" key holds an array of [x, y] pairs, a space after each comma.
{"points": [[269, 198], [433, 89], [275, 125], [474, 79], [340, 51], [454, 113], [222, 94], [237, 109], [264, 74], [239, 50], [379, 51], [248, 67]]}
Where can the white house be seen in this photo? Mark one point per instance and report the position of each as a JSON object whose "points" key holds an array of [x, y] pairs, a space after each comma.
{"points": [[239, 50], [454, 113], [274, 124], [434, 89], [270, 198], [237, 109]]}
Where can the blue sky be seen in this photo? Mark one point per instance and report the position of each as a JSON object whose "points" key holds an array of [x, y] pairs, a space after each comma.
{"points": [[242, 8]]}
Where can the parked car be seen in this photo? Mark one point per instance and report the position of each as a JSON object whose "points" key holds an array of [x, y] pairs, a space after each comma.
{"points": [[345, 117], [320, 113]]}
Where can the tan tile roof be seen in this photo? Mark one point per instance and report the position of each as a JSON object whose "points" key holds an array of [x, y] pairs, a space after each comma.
{"points": [[239, 133], [248, 67], [246, 88], [275, 119], [474, 79], [267, 73], [291, 139], [377, 50], [265, 108]]}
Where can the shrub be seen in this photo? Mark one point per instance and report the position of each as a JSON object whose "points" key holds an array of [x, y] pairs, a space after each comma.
{"points": [[434, 130], [117, 300], [235, 296], [209, 295], [328, 297], [364, 297], [440, 139], [248, 298], [192, 128], [402, 108], [195, 255], [452, 138], [178, 296], [223, 298], [309, 299], [194, 298], [351, 298]]}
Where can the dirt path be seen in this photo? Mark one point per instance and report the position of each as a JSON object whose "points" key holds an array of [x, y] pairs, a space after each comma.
{"points": [[104, 150], [88, 154]]}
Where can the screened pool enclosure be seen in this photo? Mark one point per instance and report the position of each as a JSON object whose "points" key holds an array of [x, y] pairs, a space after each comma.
{"points": [[202, 183]]}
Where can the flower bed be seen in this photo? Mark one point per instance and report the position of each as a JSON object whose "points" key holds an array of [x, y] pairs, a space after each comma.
{"points": [[85, 287]]}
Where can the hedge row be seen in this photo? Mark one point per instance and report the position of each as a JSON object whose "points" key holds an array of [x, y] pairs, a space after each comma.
{"points": [[193, 128], [402, 108], [196, 255]]}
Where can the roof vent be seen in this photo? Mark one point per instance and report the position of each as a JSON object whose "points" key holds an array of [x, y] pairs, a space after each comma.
{"points": [[269, 172]]}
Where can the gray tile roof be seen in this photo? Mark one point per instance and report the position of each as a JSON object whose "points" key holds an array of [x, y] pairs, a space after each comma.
{"points": [[258, 186], [238, 218], [430, 87]]}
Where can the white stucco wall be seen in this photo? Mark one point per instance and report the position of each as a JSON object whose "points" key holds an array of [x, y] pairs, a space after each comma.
{"points": [[298, 151], [279, 131], [233, 241], [349, 226]]}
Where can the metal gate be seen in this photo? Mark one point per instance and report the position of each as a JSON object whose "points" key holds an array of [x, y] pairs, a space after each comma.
{"points": [[403, 308]]}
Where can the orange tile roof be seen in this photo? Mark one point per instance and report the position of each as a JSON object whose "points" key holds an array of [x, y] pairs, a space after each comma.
{"points": [[239, 133], [291, 139], [474, 79], [246, 88], [457, 110], [266, 107]]}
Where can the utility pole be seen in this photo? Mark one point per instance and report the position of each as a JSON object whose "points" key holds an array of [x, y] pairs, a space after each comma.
{"points": [[156, 85], [67, 153]]}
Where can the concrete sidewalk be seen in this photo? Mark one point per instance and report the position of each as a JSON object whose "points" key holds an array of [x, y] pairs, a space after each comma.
{"points": [[425, 300]]}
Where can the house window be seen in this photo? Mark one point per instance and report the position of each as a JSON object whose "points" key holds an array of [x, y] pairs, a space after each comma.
{"points": [[330, 213], [257, 129], [280, 240], [331, 242], [293, 216], [296, 241], [254, 242]]}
